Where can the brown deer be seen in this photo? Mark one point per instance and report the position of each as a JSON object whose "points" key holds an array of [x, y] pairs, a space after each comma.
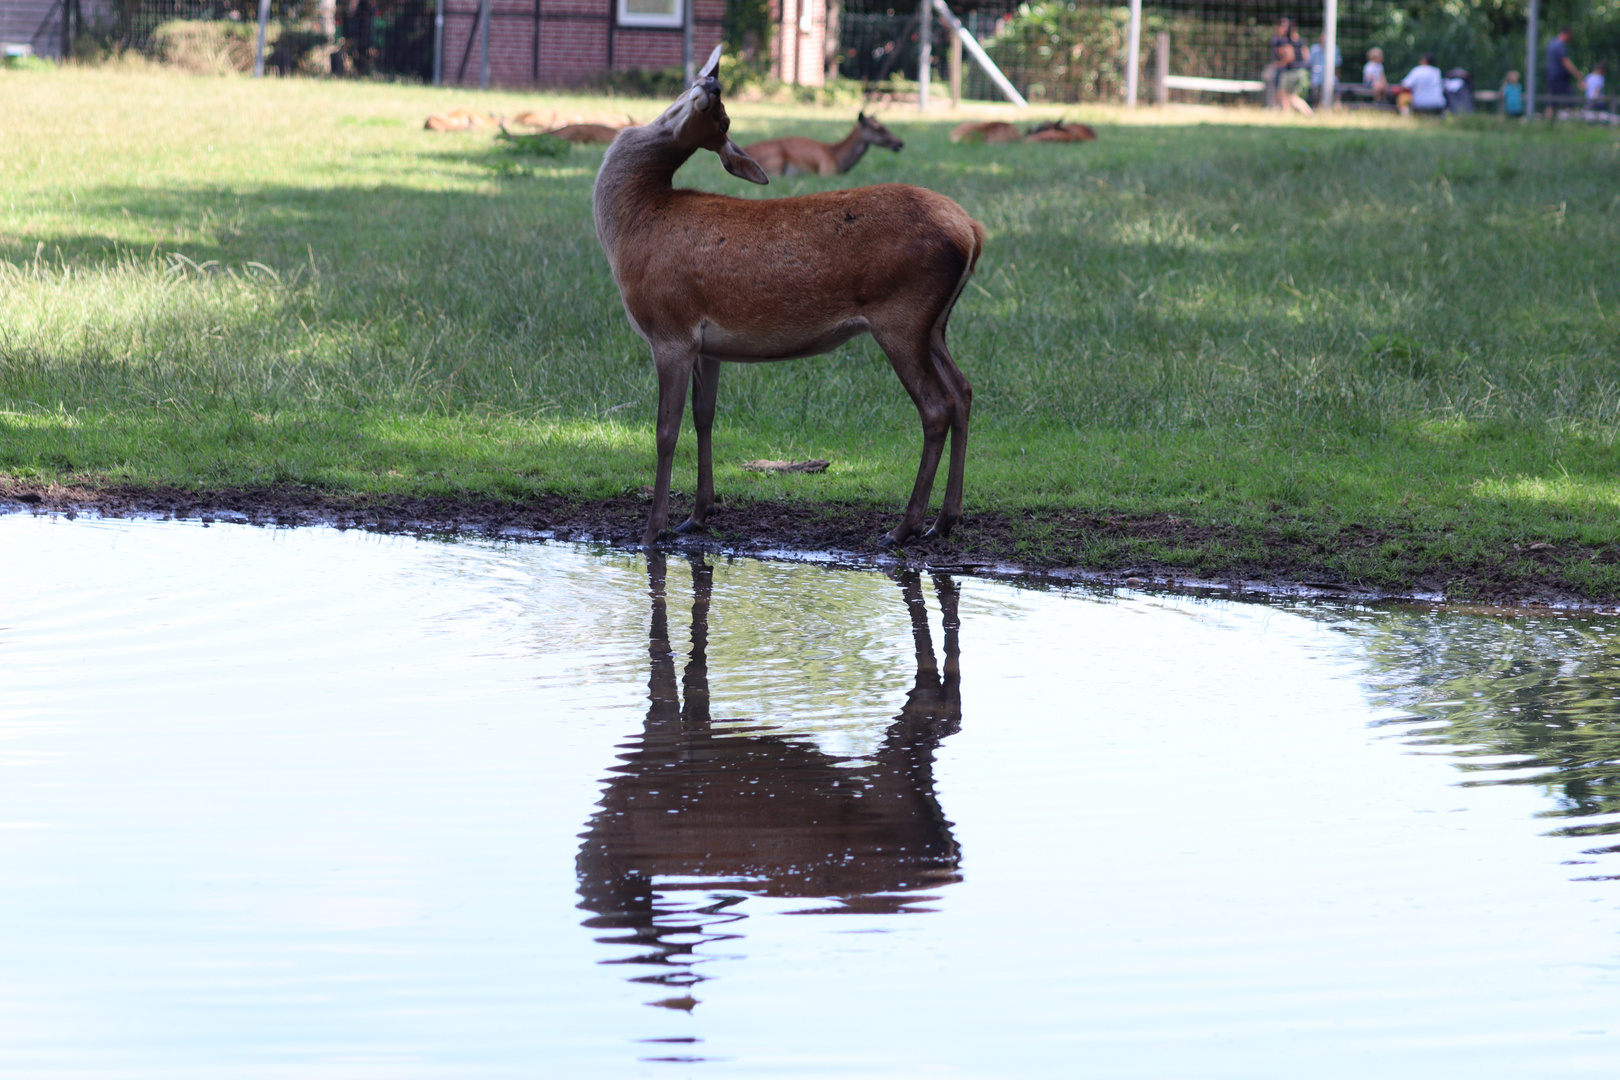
{"points": [[986, 131], [1061, 131], [586, 133], [709, 278], [794, 154]]}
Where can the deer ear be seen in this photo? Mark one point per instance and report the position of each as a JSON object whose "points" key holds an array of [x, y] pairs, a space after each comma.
{"points": [[741, 165]]}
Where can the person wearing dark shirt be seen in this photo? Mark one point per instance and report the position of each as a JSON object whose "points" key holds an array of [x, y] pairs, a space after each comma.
{"points": [[1562, 74], [1282, 55]]}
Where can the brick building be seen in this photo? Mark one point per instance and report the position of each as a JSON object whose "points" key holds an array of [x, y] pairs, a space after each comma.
{"points": [[567, 42], [799, 41]]}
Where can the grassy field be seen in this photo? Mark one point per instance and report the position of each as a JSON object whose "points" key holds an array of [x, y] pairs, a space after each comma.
{"points": [[1243, 343]]}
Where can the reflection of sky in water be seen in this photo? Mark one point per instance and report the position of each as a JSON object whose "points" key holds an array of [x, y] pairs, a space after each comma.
{"points": [[311, 804]]}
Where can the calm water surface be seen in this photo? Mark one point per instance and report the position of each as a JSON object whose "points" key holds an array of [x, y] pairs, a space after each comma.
{"points": [[327, 805]]}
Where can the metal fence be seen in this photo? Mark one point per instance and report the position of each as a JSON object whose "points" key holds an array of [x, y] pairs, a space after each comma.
{"points": [[371, 37], [1075, 50]]}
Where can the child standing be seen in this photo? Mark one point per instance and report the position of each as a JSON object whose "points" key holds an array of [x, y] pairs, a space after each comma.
{"points": [[1372, 73], [1594, 90], [1512, 95]]}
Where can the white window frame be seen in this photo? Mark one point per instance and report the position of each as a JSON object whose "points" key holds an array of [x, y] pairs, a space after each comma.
{"points": [[641, 18]]}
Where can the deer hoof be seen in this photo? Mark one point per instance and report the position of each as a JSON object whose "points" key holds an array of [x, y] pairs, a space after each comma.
{"points": [[690, 526]]}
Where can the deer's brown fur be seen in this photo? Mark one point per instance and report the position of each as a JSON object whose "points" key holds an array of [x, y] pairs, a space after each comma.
{"points": [[795, 154], [709, 278], [989, 131], [586, 133]]}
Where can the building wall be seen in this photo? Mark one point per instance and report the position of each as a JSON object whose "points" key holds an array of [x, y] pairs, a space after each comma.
{"points": [[574, 44], [798, 45]]}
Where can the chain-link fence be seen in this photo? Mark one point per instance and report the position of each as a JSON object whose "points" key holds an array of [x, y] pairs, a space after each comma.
{"points": [[381, 37], [1075, 50]]}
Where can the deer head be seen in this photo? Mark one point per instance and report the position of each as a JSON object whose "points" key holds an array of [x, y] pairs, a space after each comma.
{"points": [[878, 135], [698, 121]]}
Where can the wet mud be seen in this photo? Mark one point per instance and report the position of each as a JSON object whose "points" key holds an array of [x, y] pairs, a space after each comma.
{"points": [[1056, 544]]}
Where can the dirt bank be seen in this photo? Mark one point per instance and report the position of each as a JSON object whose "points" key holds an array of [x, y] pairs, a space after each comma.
{"points": [[1059, 544]]}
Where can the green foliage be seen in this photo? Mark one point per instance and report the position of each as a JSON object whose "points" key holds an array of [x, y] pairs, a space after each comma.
{"points": [[539, 145], [205, 46], [27, 63], [1067, 51]]}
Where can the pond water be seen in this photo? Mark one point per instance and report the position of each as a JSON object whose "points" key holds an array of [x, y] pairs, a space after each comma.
{"points": [[304, 803]]}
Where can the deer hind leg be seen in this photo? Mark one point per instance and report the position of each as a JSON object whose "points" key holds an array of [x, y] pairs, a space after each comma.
{"points": [[705, 389], [910, 354], [674, 367], [962, 405]]}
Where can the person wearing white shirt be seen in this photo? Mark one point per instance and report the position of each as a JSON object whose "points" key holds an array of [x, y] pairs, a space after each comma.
{"points": [[1594, 89], [1425, 89]]}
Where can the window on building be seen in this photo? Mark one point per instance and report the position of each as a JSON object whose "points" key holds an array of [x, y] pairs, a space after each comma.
{"points": [[649, 12]]}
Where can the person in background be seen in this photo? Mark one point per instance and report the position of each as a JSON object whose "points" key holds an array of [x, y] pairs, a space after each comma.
{"points": [[1372, 73], [1317, 56], [1423, 90], [1512, 95], [1459, 86], [1594, 90], [1282, 53], [1296, 77], [1562, 74]]}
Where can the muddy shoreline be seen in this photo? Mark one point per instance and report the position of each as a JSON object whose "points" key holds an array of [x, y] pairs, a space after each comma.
{"points": [[1046, 546]]}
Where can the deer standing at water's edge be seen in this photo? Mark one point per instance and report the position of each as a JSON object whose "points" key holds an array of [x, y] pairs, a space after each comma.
{"points": [[708, 278]]}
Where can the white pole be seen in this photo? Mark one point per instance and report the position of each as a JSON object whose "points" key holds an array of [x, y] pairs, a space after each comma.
{"points": [[980, 57], [438, 42], [925, 52], [1330, 49], [258, 52], [1133, 53]]}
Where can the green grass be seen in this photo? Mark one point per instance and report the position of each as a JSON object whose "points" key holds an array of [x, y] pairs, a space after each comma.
{"points": [[1284, 330]]}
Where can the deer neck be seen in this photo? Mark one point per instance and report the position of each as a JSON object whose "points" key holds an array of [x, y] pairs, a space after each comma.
{"points": [[637, 175], [848, 153]]}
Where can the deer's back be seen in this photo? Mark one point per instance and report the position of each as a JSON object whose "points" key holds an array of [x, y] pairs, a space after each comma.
{"points": [[809, 260], [776, 156]]}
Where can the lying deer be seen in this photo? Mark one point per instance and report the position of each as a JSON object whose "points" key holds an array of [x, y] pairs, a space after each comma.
{"points": [[1060, 131], [795, 154], [459, 120], [988, 131], [709, 278], [586, 133], [999, 131]]}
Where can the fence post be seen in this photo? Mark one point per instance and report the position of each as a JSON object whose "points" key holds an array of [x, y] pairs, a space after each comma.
{"points": [[438, 42], [925, 51], [688, 65], [1530, 51], [1330, 49], [1133, 53], [483, 44], [956, 72], [1161, 68], [258, 51]]}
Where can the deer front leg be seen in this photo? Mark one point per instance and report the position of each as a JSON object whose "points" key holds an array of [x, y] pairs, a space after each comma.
{"points": [[674, 368], [962, 405], [909, 356], [705, 389]]}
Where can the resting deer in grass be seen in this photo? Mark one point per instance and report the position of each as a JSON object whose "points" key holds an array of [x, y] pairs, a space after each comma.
{"points": [[709, 278], [795, 154]]}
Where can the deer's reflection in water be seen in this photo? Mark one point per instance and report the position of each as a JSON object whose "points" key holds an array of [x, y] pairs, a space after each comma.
{"points": [[697, 819]]}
